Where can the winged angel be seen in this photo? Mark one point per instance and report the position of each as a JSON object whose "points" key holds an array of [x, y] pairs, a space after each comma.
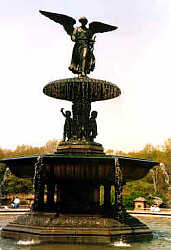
{"points": [[83, 60]]}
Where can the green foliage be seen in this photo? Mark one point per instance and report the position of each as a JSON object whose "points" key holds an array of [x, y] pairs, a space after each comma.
{"points": [[155, 181], [135, 189], [101, 195], [2, 179], [2, 171], [112, 193], [16, 185], [11, 184]]}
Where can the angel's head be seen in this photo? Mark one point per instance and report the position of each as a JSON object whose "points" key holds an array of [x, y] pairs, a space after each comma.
{"points": [[83, 20]]}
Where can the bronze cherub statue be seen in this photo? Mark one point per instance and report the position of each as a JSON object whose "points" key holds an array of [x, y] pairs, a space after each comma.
{"points": [[83, 60]]}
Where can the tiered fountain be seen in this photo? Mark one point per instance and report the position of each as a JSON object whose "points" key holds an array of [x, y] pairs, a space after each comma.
{"points": [[75, 172]]}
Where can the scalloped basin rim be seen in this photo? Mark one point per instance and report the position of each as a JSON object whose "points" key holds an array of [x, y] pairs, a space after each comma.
{"points": [[50, 156], [71, 89], [132, 168]]}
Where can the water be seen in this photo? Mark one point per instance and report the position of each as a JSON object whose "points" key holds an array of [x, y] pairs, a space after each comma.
{"points": [[161, 227]]}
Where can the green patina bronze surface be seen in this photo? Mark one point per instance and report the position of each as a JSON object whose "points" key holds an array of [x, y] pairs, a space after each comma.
{"points": [[78, 169], [86, 88], [80, 124], [132, 168], [83, 59]]}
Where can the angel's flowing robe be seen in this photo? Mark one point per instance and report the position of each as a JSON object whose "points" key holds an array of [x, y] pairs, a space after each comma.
{"points": [[83, 60]]}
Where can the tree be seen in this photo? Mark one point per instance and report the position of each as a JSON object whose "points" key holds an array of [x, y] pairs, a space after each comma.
{"points": [[50, 147], [109, 152], [15, 185], [3, 176], [135, 189]]}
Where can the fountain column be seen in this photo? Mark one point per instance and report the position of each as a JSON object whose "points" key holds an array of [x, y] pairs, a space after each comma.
{"points": [[96, 195], [50, 195], [39, 185], [107, 201], [58, 193], [119, 183]]}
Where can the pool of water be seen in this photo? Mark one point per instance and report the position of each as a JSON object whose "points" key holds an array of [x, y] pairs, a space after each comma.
{"points": [[161, 227]]}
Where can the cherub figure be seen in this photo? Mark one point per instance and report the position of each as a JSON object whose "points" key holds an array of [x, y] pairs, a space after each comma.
{"points": [[68, 124], [83, 60], [93, 126]]}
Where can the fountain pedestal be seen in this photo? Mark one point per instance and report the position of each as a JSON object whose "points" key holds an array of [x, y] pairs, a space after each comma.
{"points": [[75, 172], [77, 216], [66, 228]]}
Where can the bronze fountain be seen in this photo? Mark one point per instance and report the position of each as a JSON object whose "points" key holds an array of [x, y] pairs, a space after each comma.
{"points": [[79, 167]]}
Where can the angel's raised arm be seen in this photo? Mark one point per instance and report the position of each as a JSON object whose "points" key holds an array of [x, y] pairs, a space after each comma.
{"points": [[67, 21]]}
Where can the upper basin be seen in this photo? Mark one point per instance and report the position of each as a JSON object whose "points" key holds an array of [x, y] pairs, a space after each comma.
{"points": [[81, 88]]}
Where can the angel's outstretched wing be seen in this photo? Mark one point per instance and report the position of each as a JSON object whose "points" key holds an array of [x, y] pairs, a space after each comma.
{"points": [[98, 27], [67, 21]]}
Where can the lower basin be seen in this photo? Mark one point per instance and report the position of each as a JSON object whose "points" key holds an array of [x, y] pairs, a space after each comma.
{"points": [[78, 166], [77, 216]]}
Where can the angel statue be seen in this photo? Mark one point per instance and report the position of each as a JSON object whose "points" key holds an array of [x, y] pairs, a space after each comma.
{"points": [[83, 60]]}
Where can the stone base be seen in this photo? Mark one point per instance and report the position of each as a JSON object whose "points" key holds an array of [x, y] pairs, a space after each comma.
{"points": [[87, 229], [80, 147]]}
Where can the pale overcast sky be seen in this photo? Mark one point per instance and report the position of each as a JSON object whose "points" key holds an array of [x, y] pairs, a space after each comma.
{"points": [[137, 57]]}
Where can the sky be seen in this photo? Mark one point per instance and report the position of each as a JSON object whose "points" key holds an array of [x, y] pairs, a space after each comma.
{"points": [[136, 57]]}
